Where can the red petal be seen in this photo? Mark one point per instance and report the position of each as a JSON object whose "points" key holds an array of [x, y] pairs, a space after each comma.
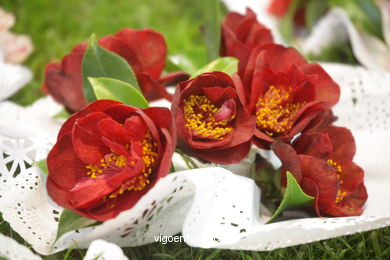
{"points": [[151, 89], [344, 147], [136, 127], [150, 50], [289, 158], [219, 94], [64, 167], [225, 156], [87, 141], [326, 89], [314, 144], [111, 129], [98, 105], [173, 78], [89, 192], [325, 178]]}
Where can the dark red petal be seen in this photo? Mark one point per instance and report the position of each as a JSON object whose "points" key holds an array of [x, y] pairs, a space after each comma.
{"points": [[150, 50], [90, 191], [98, 105], [88, 147], [161, 117], [64, 167], [219, 94], [325, 178], [344, 147], [232, 20], [168, 147], [173, 78], [289, 159], [225, 156], [314, 144], [136, 127], [326, 89], [151, 89], [111, 129]]}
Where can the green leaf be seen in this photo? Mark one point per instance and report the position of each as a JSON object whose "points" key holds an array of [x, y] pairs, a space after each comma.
{"points": [[212, 28], [313, 12], [286, 25], [70, 220], [99, 62], [364, 14], [293, 197], [106, 88], [63, 114], [228, 65], [42, 165]]}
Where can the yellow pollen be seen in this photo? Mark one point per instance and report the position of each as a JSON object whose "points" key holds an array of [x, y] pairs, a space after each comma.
{"points": [[138, 183], [199, 115], [339, 170], [275, 113]]}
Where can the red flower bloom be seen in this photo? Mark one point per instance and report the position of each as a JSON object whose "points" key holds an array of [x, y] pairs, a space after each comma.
{"points": [[285, 92], [144, 50], [108, 156], [322, 164], [241, 34], [211, 119]]}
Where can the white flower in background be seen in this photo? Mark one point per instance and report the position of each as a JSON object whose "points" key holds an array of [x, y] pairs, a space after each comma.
{"points": [[16, 48], [12, 78], [336, 27], [102, 250], [7, 20]]}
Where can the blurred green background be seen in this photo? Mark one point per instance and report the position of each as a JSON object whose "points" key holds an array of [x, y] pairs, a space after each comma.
{"points": [[56, 26]]}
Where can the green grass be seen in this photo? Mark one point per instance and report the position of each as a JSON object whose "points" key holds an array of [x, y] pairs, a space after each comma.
{"points": [[56, 26]]}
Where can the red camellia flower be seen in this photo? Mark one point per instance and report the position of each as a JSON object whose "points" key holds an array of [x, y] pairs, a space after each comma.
{"points": [[285, 92], [108, 156], [241, 34], [322, 164], [144, 50], [211, 118], [280, 8]]}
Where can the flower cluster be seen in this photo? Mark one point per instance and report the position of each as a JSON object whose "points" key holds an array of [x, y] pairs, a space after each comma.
{"points": [[110, 154]]}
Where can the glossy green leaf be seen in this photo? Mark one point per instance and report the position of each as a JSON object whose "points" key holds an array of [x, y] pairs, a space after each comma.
{"points": [[227, 65], [293, 197], [70, 220], [364, 14], [99, 62], [106, 88], [212, 28], [42, 165], [63, 114]]}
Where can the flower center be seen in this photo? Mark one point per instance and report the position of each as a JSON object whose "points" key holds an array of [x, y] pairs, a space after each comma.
{"points": [[112, 163], [275, 112], [200, 118], [339, 170]]}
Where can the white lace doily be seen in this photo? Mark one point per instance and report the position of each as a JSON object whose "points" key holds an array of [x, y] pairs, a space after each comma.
{"points": [[212, 207], [12, 250]]}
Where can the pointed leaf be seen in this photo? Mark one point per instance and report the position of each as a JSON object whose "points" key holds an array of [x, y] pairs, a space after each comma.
{"points": [[293, 197], [99, 62], [228, 65], [105, 88], [70, 220]]}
